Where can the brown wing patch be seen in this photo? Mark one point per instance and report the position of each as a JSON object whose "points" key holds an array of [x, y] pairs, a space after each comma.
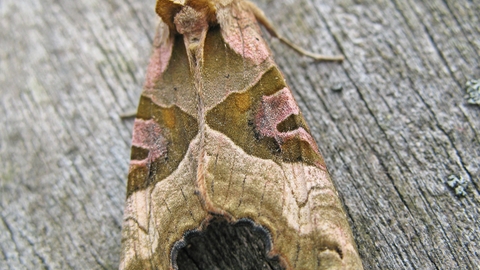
{"points": [[225, 71], [175, 85], [252, 120], [232, 119], [160, 141]]}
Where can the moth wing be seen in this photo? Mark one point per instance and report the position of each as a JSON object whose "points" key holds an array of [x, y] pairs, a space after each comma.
{"points": [[263, 162], [161, 201]]}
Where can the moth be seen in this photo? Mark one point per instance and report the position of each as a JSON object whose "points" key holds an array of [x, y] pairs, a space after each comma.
{"points": [[224, 172]]}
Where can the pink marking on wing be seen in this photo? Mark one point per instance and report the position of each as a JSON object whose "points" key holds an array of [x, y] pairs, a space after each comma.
{"points": [[273, 110], [148, 135], [244, 37], [158, 61]]}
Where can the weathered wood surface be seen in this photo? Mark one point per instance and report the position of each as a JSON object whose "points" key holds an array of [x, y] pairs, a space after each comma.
{"points": [[390, 138]]}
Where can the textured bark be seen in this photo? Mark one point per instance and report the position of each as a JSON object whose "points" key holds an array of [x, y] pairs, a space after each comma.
{"points": [[391, 137]]}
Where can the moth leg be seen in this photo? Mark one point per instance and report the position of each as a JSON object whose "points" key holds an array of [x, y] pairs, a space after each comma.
{"points": [[263, 20], [128, 114]]}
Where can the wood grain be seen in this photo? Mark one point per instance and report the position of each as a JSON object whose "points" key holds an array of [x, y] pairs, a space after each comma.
{"points": [[390, 138]]}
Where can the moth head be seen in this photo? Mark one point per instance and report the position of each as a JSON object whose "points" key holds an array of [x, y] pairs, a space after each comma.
{"points": [[168, 10]]}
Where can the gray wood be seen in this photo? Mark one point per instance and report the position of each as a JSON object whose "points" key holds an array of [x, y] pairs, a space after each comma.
{"points": [[391, 137]]}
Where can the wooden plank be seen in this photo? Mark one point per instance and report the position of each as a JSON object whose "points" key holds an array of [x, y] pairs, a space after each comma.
{"points": [[391, 137]]}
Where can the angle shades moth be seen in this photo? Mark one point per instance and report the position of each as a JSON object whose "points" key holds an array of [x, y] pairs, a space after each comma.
{"points": [[219, 142]]}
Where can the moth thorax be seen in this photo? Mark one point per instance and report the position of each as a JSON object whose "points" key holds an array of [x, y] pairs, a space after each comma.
{"points": [[191, 23]]}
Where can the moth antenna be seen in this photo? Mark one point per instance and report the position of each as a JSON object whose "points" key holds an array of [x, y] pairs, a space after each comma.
{"points": [[263, 20]]}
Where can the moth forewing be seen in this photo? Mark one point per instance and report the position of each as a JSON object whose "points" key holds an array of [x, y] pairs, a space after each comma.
{"points": [[219, 139]]}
